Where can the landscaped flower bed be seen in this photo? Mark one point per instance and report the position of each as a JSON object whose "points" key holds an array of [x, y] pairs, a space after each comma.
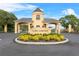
{"points": [[39, 37]]}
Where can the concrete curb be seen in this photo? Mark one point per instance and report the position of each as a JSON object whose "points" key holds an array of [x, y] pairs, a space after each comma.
{"points": [[21, 42]]}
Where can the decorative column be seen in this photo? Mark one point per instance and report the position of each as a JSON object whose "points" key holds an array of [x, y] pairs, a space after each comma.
{"points": [[55, 28], [59, 28], [46, 25], [5, 28], [16, 27], [69, 28]]}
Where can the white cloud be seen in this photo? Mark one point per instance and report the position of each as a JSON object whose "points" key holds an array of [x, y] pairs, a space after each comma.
{"points": [[16, 7], [69, 12]]}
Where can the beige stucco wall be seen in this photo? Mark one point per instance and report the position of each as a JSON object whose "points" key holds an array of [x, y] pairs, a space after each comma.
{"points": [[37, 13], [38, 30], [35, 22]]}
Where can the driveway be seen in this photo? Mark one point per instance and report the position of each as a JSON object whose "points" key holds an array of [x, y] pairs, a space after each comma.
{"points": [[10, 48]]}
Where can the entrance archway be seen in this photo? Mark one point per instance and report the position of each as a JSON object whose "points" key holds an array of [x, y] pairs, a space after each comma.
{"points": [[52, 27], [23, 28], [57, 25]]}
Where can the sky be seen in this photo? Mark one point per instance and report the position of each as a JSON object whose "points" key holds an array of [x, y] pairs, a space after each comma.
{"points": [[51, 10]]}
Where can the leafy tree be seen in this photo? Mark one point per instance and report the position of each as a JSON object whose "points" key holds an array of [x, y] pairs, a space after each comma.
{"points": [[6, 18], [69, 19], [64, 22]]}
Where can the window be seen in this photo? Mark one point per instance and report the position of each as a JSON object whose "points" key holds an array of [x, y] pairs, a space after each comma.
{"points": [[44, 26], [37, 25], [37, 17]]}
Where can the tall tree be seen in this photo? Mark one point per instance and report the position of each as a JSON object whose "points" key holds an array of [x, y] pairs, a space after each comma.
{"points": [[69, 19], [6, 18]]}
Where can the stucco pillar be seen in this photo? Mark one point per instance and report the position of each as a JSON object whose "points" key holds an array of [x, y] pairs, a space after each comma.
{"points": [[46, 25], [59, 28], [55, 28], [5, 28], [16, 30], [69, 28]]}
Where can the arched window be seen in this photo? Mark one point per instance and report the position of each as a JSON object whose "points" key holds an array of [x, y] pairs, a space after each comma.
{"points": [[37, 17]]}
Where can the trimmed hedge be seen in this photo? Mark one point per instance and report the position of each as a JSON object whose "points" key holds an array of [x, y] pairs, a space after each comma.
{"points": [[39, 37]]}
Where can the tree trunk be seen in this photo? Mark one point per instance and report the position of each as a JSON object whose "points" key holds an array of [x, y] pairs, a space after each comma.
{"points": [[5, 28]]}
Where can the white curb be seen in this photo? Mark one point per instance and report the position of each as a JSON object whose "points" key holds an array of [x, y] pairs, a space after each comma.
{"points": [[21, 42]]}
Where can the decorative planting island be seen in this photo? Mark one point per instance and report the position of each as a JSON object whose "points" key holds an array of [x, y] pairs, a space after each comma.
{"points": [[41, 39]]}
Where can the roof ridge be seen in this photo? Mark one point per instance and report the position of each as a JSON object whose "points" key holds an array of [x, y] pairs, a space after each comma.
{"points": [[38, 10]]}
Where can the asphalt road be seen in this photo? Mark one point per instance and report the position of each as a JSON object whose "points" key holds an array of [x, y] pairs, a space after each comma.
{"points": [[10, 48]]}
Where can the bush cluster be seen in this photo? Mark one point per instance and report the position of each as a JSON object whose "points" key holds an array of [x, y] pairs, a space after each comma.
{"points": [[39, 37]]}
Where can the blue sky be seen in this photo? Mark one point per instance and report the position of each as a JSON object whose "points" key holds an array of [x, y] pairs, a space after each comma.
{"points": [[51, 10]]}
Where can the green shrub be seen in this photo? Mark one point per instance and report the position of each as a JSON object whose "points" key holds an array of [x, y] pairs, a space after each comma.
{"points": [[46, 38], [24, 37], [51, 37], [61, 37], [37, 37], [57, 38]]}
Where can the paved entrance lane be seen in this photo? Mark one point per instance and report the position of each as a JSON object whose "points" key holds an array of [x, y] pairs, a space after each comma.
{"points": [[6, 38], [9, 48]]}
